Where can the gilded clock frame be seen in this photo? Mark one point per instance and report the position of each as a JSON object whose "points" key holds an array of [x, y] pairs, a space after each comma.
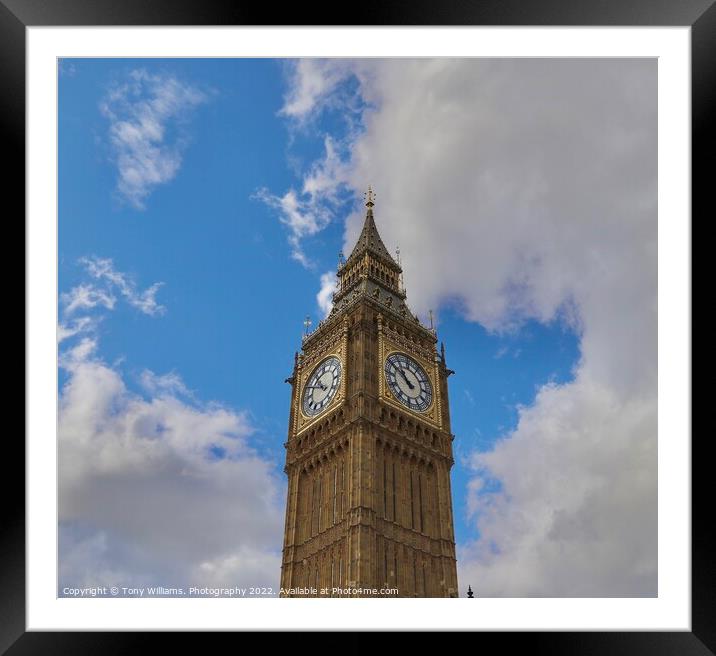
{"points": [[390, 342], [334, 345], [307, 379], [433, 389]]}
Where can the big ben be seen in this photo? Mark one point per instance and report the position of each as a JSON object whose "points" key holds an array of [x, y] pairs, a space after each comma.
{"points": [[369, 449]]}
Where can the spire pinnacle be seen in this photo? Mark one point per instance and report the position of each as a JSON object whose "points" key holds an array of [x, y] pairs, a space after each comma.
{"points": [[369, 239]]}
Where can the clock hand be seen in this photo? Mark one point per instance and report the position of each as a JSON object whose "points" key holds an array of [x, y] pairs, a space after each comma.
{"points": [[405, 378]]}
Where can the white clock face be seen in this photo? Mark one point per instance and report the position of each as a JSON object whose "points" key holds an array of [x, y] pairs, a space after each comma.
{"points": [[321, 386], [408, 382]]}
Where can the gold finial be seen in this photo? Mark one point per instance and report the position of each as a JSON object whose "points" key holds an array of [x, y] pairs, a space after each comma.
{"points": [[369, 197]]}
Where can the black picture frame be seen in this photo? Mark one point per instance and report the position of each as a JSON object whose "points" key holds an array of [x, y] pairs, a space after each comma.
{"points": [[16, 15]]}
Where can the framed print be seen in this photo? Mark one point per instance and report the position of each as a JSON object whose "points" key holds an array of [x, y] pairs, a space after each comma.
{"points": [[322, 314]]}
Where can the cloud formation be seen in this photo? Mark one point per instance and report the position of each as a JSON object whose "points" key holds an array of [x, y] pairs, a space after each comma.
{"points": [[86, 297], [522, 190], [324, 298], [160, 490], [90, 299], [157, 488], [315, 84], [103, 272], [146, 114], [301, 214], [307, 211]]}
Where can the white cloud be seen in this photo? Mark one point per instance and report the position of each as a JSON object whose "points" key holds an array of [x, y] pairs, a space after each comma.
{"points": [[325, 295], [243, 566], [526, 189], [160, 490], [75, 327], [88, 559], [302, 216], [80, 352], [102, 270], [309, 211], [314, 84], [108, 285], [171, 384], [580, 519], [85, 297], [146, 114]]}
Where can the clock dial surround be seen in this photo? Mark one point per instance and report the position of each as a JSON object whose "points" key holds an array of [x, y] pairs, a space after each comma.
{"points": [[408, 382], [321, 387]]}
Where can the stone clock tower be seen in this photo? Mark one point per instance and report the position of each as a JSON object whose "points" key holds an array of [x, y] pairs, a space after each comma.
{"points": [[369, 447]]}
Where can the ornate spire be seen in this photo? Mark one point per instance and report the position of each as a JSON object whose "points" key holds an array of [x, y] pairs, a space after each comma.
{"points": [[369, 239], [370, 274]]}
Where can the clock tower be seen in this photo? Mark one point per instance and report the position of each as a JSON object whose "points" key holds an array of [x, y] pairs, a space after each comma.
{"points": [[369, 447]]}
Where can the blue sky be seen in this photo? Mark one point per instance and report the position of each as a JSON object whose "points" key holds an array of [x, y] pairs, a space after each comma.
{"points": [[235, 271]]}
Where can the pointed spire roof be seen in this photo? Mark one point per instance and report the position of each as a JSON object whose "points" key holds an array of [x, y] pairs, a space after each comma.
{"points": [[369, 282], [369, 239]]}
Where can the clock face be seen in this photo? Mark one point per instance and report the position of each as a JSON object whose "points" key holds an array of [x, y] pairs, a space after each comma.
{"points": [[321, 386], [408, 382]]}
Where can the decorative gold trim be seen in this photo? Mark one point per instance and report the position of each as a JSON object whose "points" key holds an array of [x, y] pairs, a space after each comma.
{"points": [[438, 397], [344, 359], [340, 392], [432, 414], [381, 349], [297, 395], [426, 369], [330, 344]]}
